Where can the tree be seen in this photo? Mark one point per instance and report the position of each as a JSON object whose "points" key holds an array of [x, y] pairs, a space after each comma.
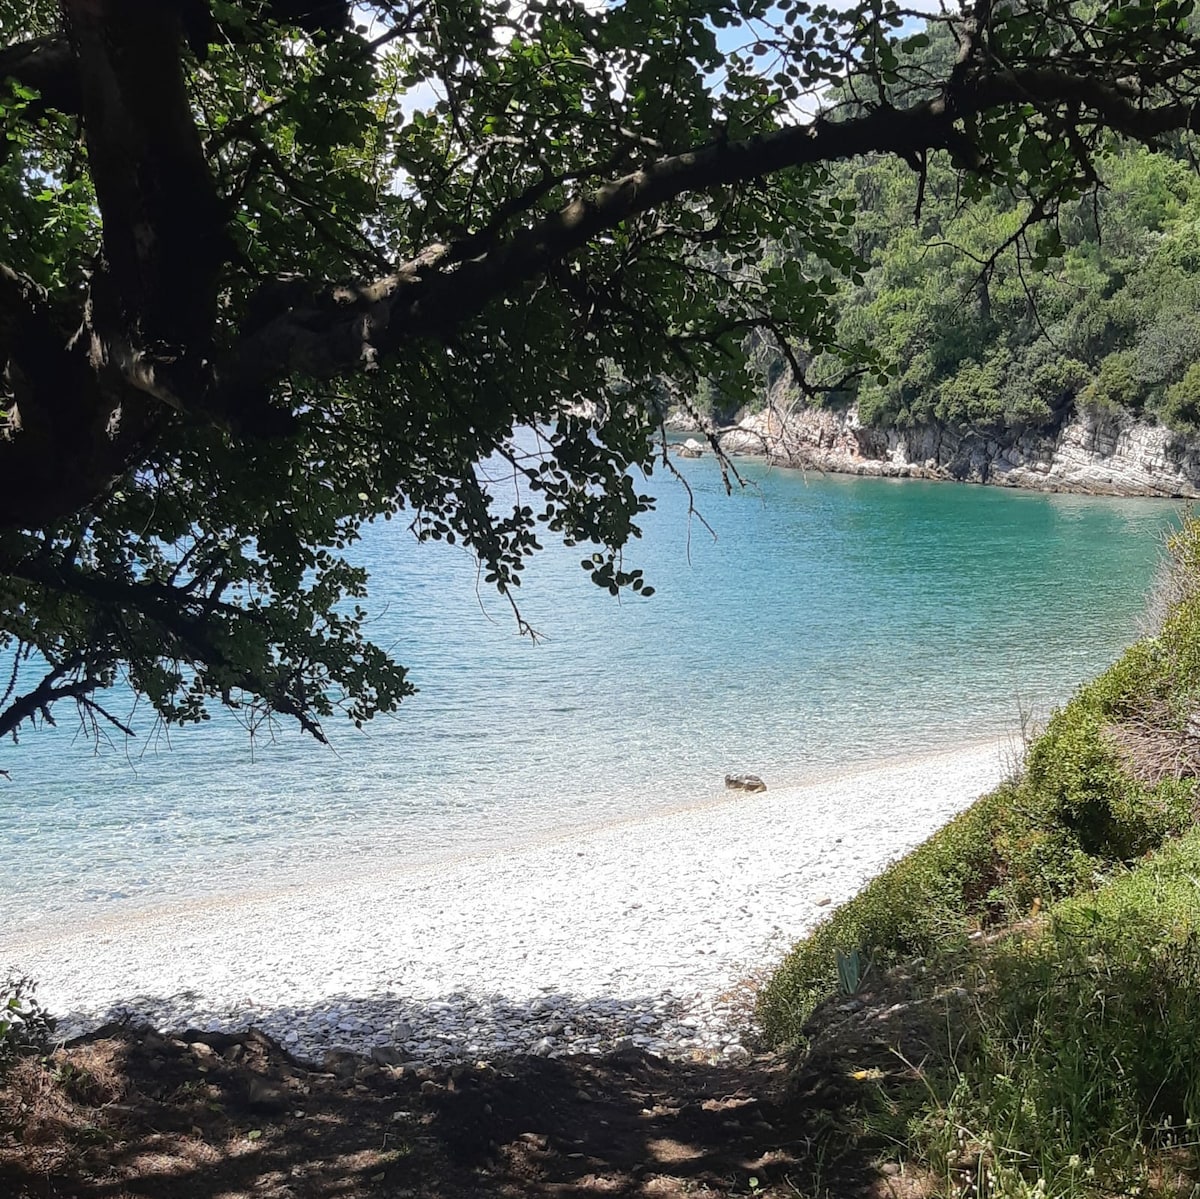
{"points": [[274, 268]]}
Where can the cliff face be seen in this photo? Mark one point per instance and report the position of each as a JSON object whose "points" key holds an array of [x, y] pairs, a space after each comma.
{"points": [[1096, 455]]}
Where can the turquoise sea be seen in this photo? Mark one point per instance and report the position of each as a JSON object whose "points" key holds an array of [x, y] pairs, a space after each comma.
{"points": [[829, 620]]}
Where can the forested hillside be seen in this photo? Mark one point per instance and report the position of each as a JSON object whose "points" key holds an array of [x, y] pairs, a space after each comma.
{"points": [[982, 313], [1014, 339]]}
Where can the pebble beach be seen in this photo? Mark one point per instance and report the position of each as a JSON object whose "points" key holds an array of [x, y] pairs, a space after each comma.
{"points": [[649, 932]]}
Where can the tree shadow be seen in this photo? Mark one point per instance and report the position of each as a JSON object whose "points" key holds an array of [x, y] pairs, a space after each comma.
{"points": [[453, 1027], [208, 1115]]}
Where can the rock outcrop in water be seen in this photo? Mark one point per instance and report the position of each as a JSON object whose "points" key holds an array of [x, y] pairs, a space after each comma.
{"points": [[1095, 454]]}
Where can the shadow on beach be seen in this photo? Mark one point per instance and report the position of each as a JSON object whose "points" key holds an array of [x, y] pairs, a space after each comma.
{"points": [[128, 1111], [457, 1026]]}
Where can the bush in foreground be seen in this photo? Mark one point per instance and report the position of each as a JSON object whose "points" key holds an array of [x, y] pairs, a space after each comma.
{"points": [[1079, 811], [1074, 1072], [25, 1026], [1071, 1069]]}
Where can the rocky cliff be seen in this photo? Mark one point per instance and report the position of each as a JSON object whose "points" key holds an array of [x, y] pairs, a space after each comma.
{"points": [[1091, 453]]}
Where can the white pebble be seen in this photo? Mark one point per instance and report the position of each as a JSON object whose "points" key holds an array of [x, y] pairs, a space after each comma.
{"points": [[538, 947]]}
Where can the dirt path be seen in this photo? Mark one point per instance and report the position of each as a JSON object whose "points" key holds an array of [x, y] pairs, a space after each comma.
{"points": [[132, 1113]]}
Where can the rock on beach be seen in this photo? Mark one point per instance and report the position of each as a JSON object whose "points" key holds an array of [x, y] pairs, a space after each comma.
{"points": [[650, 938], [744, 782]]}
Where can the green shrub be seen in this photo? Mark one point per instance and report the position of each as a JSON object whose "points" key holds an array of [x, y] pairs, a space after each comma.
{"points": [[973, 396], [1078, 786], [1078, 1065], [1026, 409], [1115, 386], [1056, 383], [25, 1026], [1180, 408]]}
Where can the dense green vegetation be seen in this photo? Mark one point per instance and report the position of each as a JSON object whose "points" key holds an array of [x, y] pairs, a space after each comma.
{"points": [[1066, 907], [1019, 339], [1080, 1065], [984, 309]]}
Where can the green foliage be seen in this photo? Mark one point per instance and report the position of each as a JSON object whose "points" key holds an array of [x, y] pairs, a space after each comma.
{"points": [[1086, 797], [852, 968], [1076, 1070], [1074, 815], [25, 1026], [1181, 404], [1115, 385], [1097, 310], [1054, 385]]}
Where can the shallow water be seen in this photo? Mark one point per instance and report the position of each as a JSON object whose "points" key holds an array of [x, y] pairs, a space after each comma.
{"points": [[831, 620]]}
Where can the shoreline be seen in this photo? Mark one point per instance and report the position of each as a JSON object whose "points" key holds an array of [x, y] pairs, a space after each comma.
{"points": [[112, 916], [637, 931]]}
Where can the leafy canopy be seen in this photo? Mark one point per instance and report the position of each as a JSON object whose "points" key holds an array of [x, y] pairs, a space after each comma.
{"points": [[274, 268]]}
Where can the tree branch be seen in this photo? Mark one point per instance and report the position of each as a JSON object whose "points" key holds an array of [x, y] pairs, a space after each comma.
{"points": [[46, 64], [49, 65], [47, 693], [182, 620], [334, 330]]}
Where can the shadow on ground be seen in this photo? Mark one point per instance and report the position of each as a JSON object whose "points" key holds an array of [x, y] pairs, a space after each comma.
{"points": [[129, 1112], [456, 1026]]}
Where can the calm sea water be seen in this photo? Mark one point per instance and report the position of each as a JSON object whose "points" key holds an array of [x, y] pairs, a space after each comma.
{"points": [[831, 620]]}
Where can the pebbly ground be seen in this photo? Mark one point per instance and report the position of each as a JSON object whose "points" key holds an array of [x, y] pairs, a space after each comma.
{"points": [[647, 933]]}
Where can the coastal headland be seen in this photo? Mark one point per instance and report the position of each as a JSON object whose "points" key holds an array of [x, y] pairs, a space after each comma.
{"points": [[1091, 453]]}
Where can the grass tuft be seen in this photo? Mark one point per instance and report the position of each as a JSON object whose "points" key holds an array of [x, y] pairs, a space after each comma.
{"points": [[1076, 1069]]}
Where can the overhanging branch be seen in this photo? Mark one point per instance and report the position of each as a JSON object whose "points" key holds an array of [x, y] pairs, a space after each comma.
{"points": [[327, 331], [49, 65]]}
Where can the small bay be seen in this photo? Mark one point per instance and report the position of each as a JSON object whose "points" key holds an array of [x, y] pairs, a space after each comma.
{"points": [[830, 621]]}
